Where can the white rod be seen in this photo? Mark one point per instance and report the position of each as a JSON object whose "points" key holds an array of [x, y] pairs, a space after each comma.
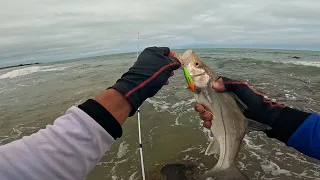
{"points": [[140, 147], [139, 129]]}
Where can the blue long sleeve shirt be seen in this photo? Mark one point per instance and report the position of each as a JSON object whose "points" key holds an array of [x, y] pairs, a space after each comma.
{"points": [[306, 138]]}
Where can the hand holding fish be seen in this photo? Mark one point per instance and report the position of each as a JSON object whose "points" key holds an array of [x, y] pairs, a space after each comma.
{"points": [[259, 108]]}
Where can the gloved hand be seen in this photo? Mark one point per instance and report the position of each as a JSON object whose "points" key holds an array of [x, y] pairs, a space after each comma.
{"points": [[259, 108], [147, 76], [283, 120]]}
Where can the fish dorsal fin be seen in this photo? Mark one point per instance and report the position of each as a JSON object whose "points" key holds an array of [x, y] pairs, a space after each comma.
{"points": [[256, 126], [213, 148], [251, 124], [240, 103]]}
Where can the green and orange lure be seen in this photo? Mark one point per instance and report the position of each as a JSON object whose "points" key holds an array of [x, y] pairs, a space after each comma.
{"points": [[188, 79]]}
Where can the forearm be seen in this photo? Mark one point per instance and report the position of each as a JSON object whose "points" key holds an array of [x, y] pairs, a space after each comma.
{"points": [[299, 130], [306, 138], [286, 122], [116, 104], [70, 147]]}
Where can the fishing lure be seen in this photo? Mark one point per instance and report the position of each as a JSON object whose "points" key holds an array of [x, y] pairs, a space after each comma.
{"points": [[188, 79]]}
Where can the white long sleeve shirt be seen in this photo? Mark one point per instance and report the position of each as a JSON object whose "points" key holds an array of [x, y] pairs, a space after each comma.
{"points": [[68, 149]]}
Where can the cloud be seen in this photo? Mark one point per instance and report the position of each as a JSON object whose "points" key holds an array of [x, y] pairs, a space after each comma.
{"points": [[56, 29]]}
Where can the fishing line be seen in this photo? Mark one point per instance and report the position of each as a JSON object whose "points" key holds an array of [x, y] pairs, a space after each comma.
{"points": [[139, 130]]}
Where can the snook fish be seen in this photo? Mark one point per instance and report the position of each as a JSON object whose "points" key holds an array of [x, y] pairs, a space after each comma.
{"points": [[229, 125]]}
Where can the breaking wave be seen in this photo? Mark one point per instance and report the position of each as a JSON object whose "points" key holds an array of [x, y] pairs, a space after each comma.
{"points": [[123, 148], [303, 63], [30, 70], [173, 108]]}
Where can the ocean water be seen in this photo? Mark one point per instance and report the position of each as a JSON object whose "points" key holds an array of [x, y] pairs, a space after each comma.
{"points": [[33, 96]]}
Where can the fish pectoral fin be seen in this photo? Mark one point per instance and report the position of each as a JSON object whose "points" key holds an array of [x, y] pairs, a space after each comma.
{"points": [[213, 148], [256, 126], [231, 173]]}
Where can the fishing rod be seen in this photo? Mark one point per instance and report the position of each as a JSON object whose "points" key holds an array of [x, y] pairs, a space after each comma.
{"points": [[139, 130]]}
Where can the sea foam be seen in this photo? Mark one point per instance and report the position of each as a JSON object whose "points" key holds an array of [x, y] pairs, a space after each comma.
{"points": [[30, 70]]}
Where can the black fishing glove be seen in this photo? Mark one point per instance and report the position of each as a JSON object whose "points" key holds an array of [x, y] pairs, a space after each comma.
{"points": [[283, 120], [146, 77]]}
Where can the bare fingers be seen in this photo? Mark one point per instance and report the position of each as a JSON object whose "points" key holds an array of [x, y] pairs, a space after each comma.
{"points": [[205, 115], [167, 82], [173, 54], [207, 124], [199, 108], [219, 85]]}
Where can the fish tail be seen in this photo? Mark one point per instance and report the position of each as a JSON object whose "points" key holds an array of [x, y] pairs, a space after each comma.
{"points": [[231, 173]]}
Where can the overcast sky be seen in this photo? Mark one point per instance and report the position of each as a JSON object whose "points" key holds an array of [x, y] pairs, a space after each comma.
{"points": [[62, 29]]}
